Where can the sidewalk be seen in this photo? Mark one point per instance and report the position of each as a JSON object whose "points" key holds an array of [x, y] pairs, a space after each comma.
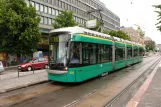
{"points": [[149, 94], [11, 81]]}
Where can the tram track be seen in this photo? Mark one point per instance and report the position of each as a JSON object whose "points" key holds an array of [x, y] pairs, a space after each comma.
{"points": [[113, 99]]}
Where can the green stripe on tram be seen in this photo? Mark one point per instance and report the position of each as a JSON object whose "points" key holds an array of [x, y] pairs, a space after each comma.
{"points": [[91, 39]]}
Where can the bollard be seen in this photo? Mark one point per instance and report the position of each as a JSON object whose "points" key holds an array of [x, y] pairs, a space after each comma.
{"points": [[33, 70], [18, 72]]}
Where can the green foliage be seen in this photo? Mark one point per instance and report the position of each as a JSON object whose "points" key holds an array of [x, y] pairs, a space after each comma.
{"points": [[150, 46], [120, 34], [106, 31], [64, 19], [159, 16], [19, 27], [141, 33]]}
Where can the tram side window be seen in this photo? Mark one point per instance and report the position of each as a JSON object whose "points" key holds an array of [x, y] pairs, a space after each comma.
{"points": [[98, 53], [86, 53], [141, 51], [110, 53], [105, 53], [89, 52], [129, 52], [92, 53], [75, 53], [119, 53], [135, 52]]}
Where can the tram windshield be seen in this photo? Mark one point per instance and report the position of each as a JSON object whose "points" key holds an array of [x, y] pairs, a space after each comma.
{"points": [[58, 50]]}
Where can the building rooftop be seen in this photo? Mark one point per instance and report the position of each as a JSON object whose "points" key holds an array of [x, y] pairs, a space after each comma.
{"points": [[147, 38]]}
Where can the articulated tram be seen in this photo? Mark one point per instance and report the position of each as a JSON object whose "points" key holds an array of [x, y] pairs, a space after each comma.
{"points": [[77, 54]]}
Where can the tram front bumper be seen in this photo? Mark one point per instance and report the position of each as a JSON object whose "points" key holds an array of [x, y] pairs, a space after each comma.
{"points": [[56, 71]]}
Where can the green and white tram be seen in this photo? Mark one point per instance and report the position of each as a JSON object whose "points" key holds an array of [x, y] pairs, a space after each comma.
{"points": [[77, 54]]}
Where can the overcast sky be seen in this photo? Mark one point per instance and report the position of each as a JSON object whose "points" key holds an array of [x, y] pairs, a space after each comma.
{"points": [[138, 12]]}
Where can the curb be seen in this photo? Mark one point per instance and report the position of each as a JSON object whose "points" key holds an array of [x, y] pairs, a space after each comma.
{"points": [[23, 86], [6, 68]]}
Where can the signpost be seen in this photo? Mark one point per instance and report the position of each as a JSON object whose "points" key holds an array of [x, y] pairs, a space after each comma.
{"points": [[91, 23], [101, 19]]}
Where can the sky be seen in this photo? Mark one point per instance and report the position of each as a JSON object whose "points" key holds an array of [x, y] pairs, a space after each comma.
{"points": [[138, 12]]}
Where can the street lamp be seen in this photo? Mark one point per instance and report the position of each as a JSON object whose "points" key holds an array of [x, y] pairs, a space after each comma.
{"points": [[101, 20]]}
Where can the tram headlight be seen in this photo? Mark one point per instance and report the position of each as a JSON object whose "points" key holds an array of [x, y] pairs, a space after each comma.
{"points": [[66, 68]]}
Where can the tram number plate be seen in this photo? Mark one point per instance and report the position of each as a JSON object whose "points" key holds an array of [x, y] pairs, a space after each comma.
{"points": [[72, 72]]}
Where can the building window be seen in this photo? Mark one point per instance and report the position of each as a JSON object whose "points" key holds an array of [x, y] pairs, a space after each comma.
{"points": [[57, 12], [45, 20], [63, 5], [42, 8], [54, 2], [33, 3], [37, 6], [50, 1], [60, 4], [53, 12], [46, 9], [50, 21], [74, 17], [57, 3], [42, 20], [49, 10], [68, 6]]}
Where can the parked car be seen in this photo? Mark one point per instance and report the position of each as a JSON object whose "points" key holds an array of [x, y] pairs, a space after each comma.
{"points": [[35, 63], [1, 67]]}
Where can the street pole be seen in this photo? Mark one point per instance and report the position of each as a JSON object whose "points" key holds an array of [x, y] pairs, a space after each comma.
{"points": [[101, 19]]}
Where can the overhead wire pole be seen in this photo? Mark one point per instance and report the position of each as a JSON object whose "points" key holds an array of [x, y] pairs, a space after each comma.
{"points": [[101, 20]]}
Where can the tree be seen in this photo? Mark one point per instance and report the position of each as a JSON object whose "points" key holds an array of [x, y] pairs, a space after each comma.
{"points": [[64, 19], [119, 33], [19, 28], [159, 16], [140, 31], [150, 46]]}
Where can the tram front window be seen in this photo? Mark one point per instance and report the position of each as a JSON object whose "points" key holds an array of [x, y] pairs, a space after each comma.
{"points": [[58, 51]]}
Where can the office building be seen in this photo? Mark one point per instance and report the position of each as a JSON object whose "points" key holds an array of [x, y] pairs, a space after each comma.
{"points": [[49, 9]]}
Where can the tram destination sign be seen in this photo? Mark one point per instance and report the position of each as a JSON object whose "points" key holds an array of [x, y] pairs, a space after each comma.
{"points": [[59, 38]]}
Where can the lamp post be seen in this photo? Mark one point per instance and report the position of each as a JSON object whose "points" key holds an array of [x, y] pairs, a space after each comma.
{"points": [[101, 20]]}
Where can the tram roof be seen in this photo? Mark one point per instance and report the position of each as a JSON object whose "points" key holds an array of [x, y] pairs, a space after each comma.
{"points": [[80, 30]]}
